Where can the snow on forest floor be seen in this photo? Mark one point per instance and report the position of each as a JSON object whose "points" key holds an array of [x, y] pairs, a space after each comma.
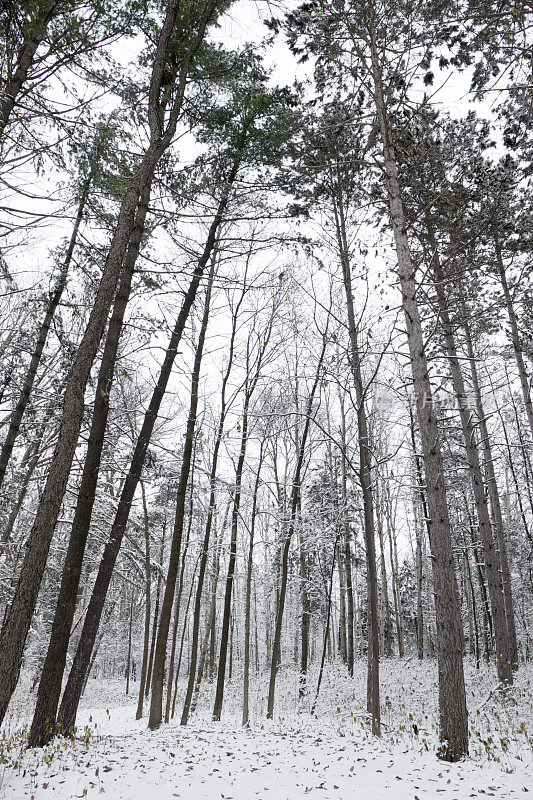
{"points": [[331, 756]]}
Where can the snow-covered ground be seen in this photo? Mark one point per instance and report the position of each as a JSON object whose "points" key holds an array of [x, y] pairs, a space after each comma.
{"points": [[330, 756]]}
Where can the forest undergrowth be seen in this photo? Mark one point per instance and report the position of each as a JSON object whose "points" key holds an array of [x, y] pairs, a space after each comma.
{"points": [[109, 740]]}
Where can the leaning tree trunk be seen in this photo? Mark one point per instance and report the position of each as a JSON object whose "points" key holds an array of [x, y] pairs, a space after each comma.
{"points": [[156, 705], [18, 618], [177, 601], [452, 698], [73, 690], [42, 728], [148, 680]]}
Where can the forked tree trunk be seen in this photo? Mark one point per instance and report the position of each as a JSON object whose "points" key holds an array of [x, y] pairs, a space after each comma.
{"points": [[209, 522], [250, 385]]}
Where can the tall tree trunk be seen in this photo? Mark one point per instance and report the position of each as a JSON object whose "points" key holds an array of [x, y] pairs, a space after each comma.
{"points": [[209, 522], [386, 617], [156, 706], [398, 611], [494, 497], [183, 632], [365, 466], [346, 544], [18, 618], [295, 496], [491, 557], [177, 602], [248, 597], [15, 418], [147, 604], [306, 617], [148, 681], [130, 630], [452, 697], [326, 631], [250, 385], [419, 549], [209, 639]]}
